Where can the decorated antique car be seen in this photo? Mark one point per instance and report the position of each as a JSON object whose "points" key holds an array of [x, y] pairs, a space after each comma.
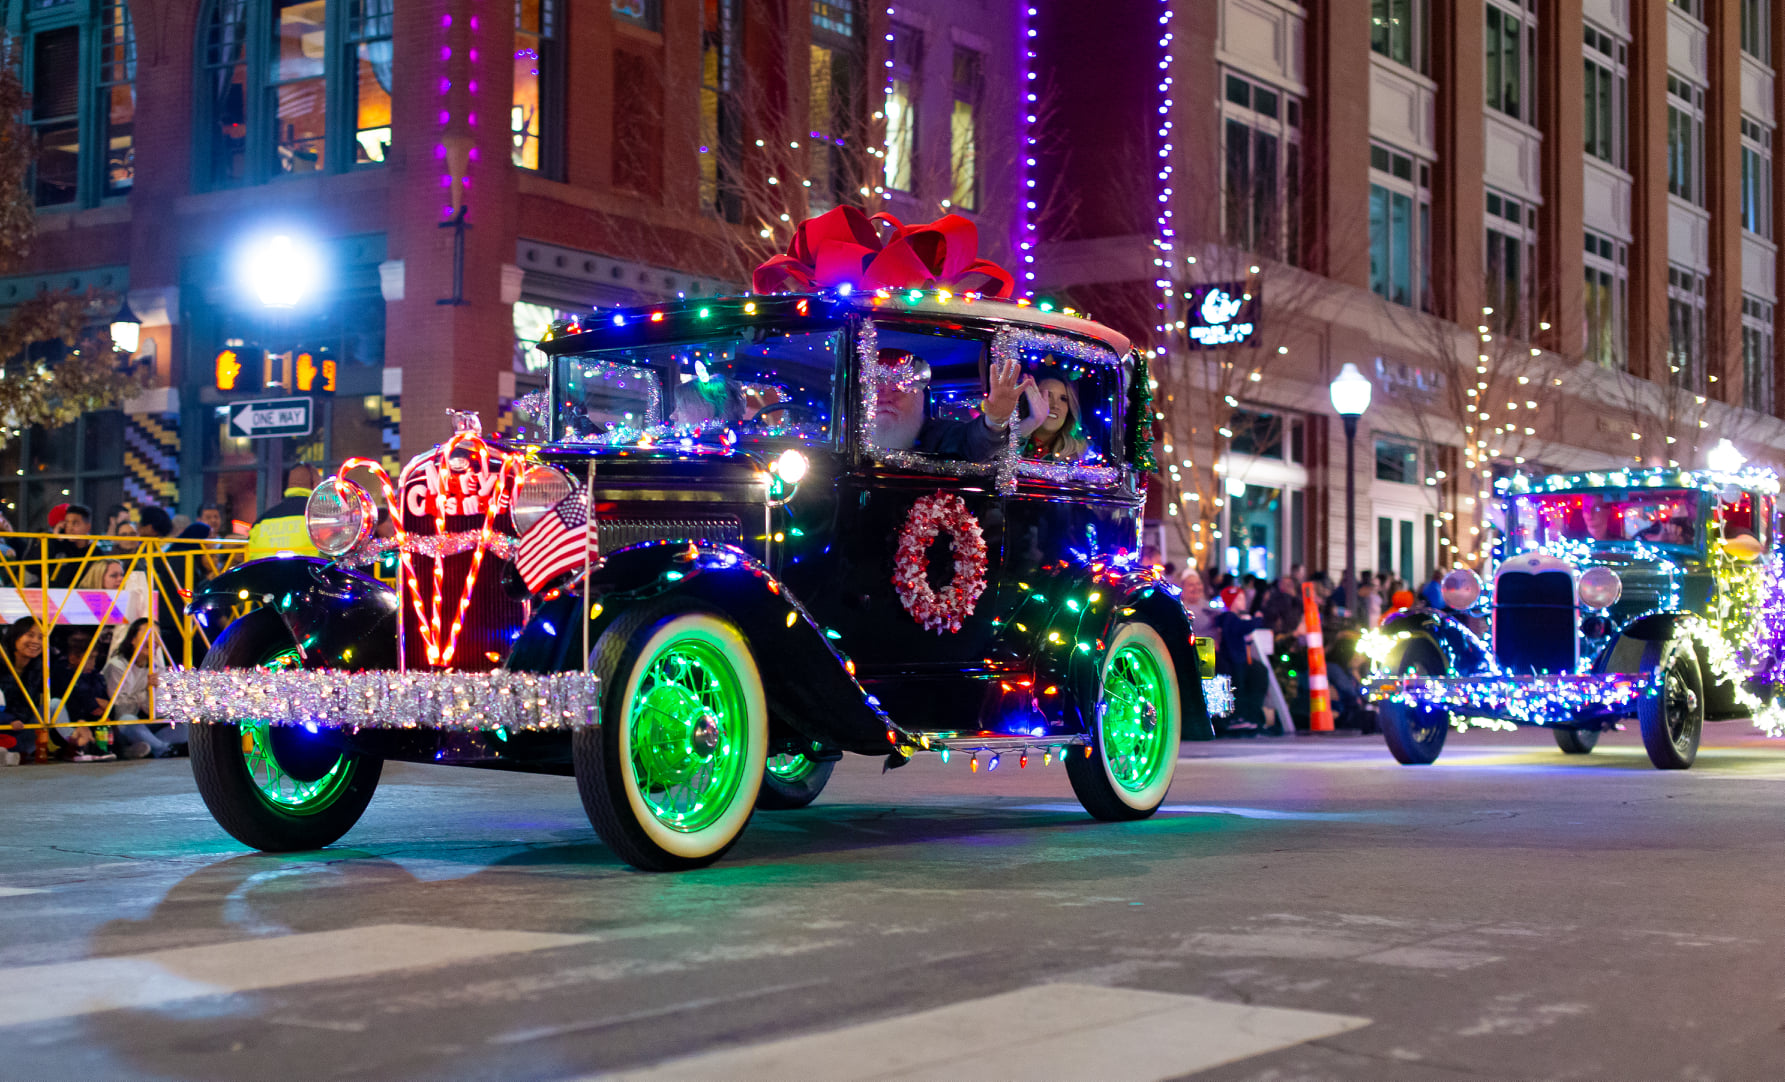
{"points": [[1645, 593], [763, 531]]}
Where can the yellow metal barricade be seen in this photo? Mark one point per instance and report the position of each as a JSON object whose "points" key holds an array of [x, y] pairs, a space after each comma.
{"points": [[67, 584]]}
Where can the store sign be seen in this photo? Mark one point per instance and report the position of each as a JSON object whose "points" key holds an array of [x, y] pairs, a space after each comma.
{"points": [[1221, 314], [262, 418]]}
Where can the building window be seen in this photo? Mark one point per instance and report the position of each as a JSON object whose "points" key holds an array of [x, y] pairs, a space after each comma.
{"points": [[645, 13], [1757, 178], [1400, 228], [82, 113], [1511, 250], [80, 462], [721, 126], [1607, 76], [535, 109], [1685, 140], [292, 86], [1262, 159], [1397, 460], [901, 109], [963, 130], [1685, 328], [1757, 30], [1757, 354], [1607, 295], [1511, 43], [1398, 31], [1694, 8], [835, 104]]}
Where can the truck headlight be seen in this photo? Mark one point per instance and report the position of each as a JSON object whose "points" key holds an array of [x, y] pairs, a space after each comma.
{"points": [[339, 517], [1461, 588], [1600, 587], [540, 489]]}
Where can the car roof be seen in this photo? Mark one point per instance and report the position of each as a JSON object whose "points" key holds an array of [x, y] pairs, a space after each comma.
{"points": [[1753, 480], [685, 318]]}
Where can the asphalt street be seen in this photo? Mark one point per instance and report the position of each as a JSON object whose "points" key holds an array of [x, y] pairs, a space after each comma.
{"points": [[1302, 909]]}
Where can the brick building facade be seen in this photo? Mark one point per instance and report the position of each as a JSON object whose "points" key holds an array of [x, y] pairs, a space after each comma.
{"points": [[604, 152]]}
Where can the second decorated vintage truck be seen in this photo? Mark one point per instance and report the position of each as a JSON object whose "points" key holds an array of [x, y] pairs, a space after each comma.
{"points": [[1645, 594]]}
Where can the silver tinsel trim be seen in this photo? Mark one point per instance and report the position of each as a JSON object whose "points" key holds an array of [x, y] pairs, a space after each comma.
{"points": [[535, 404], [383, 700], [1217, 694], [501, 546]]}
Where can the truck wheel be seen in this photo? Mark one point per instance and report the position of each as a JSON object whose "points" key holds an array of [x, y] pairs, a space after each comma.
{"points": [[1415, 735], [1672, 719], [670, 776], [275, 787], [1576, 741], [1139, 721], [792, 781]]}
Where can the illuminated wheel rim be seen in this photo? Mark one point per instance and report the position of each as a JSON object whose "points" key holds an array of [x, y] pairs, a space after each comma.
{"points": [[791, 768], [1135, 729], [275, 786], [689, 735]]}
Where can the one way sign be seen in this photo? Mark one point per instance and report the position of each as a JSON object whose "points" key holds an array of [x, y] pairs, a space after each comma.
{"points": [[261, 418]]}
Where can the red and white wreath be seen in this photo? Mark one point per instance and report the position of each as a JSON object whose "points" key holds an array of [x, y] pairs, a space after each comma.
{"points": [[930, 517]]}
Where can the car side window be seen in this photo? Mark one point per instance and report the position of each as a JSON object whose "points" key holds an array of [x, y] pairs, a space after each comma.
{"points": [[923, 394]]}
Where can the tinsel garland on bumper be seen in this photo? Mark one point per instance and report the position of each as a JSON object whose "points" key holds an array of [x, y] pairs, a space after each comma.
{"points": [[383, 700]]}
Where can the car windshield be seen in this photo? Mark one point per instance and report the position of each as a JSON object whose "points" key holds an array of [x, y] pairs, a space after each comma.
{"points": [[1614, 517], [754, 385]]}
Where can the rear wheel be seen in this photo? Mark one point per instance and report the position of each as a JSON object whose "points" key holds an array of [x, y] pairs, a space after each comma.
{"points": [[1139, 721], [1672, 718], [1576, 741], [670, 776], [275, 787], [792, 781], [1414, 734]]}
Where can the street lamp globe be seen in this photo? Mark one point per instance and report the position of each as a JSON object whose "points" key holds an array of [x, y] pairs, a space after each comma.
{"points": [[1724, 458], [1350, 391], [280, 271], [126, 329]]}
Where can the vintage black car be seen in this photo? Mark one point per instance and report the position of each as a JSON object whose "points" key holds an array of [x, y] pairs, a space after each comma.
{"points": [[773, 529], [1651, 593]]}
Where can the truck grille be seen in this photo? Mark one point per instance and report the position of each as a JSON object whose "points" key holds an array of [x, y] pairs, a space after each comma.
{"points": [[1534, 622], [618, 532]]}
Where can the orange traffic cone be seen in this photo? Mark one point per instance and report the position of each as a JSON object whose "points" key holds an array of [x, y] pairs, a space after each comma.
{"points": [[1320, 706]]}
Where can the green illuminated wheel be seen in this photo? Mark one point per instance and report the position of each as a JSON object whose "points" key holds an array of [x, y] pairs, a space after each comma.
{"points": [[671, 775], [1138, 723], [793, 781], [275, 787]]}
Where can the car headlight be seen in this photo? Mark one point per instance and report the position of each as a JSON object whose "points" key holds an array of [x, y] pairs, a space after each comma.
{"points": [[1600, 587], [1461, 588], [540, 489], [339, 517]]}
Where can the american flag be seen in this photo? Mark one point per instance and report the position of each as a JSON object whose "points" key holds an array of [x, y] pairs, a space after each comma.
{"points": [[555, 544]]}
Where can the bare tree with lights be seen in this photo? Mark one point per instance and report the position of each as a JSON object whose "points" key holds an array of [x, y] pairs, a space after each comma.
{"points": [[87, 374]]}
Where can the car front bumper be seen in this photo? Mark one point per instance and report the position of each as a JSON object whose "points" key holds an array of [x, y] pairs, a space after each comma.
{"points": [[1546, 699], [321, 698]]}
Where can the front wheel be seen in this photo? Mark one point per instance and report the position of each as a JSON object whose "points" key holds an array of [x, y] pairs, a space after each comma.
{"points": [[1139, 721], [1415, 735], [1673, 716], [793, 781], [1577, 741], [277, 788], [671, 774]]}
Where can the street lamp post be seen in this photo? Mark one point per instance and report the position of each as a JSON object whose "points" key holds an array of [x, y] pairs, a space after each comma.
{"points": [[1351, 397]]}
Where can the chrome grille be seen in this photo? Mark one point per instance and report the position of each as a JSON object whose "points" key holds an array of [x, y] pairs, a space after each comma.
{"points": [[618, 532], [1534, 622]]}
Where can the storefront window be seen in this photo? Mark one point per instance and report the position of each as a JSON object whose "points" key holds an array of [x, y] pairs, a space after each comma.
{"points": [[81, 462], [1255, 515]]}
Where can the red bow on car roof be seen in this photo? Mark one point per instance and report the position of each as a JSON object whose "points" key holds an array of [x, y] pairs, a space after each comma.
{"points": [[842, 247]]}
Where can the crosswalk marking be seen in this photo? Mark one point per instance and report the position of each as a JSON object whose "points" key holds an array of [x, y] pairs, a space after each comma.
{"points": [[68, 989], [14, 892], [1061, 1032]]}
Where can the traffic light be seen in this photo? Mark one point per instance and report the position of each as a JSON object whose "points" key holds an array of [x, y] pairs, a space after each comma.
{"points": [[229, 371], [314, 375]]}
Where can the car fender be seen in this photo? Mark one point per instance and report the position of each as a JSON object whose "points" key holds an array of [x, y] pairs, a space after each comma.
{"points": [[809, 683], [1058, 632], [1462, 650], [340, 618]]}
